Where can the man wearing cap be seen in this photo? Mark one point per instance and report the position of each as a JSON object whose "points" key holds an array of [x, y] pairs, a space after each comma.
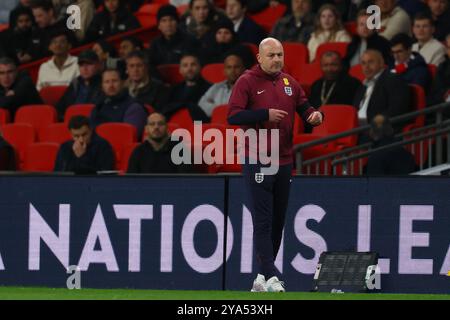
{"points": [[86, 88], [172, 43]]}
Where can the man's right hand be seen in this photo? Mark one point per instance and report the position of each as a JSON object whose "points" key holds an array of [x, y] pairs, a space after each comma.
{"points": [[276, 115], [79, 148]]}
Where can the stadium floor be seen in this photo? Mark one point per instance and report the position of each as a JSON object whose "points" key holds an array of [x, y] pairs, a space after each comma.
{"points": [[27, 293]]}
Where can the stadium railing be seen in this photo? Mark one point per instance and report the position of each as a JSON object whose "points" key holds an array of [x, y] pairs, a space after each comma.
{"points": [[425, 143]]}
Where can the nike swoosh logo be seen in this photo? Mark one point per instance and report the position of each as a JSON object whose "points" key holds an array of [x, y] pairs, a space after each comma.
{"points": [[259, 92]]}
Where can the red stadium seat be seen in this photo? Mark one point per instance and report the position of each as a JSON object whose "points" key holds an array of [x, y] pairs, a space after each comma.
{"points": [[38, 116], [118, 135], [295, 55], [269, 16], [52, 94], [55, 132], [339, 47], [78, 109], [308, 73], [147, 14], [432, 69], [418, 103], [4, 27], [338, 118], [146, 20], [4, 116], [183, 118], [356, 72], [19, 135], [171, 127], [170, 73], [126, 153], [150, 8], [253, 47], [40, 156], [350, 27], [213, 72], [182, 8], [149, 108], [220, 114]]}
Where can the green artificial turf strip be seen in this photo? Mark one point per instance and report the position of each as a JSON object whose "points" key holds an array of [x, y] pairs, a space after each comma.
{"points": [[26, 293]]}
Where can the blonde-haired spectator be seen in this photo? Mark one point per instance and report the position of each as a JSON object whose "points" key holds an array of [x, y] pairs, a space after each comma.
{"points": [[328, 28]]}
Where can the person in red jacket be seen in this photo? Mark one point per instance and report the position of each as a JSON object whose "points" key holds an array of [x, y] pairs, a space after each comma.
{"points": [[267, 98]]}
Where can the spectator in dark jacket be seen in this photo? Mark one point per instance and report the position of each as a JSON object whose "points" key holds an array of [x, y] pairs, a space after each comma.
{"points": [[224, 43], [383, 92], [47, 25], [17, 38], [23, 4], [440, 91], [440, 11], [86, 153], [117, 105], [247, 30], [172, 43], [115, 18], [108, 57], [16, 88], [413, 7], [86, 88], [297, 26], [364, 39], [154, 155], [201, 19], [336, 86], [140, 84], [128, 45], [410, 66], [188, 93], [392, 161], [7, 155]]}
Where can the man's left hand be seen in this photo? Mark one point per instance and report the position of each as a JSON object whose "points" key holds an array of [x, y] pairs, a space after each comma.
{"points": [[315, 118]]}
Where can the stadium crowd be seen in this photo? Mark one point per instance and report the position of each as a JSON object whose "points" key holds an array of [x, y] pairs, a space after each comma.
{"points": [[111, 71]]}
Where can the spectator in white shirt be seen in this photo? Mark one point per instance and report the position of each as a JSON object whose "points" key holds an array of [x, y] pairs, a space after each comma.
{"points": [[328, 28], [431, 49], [394, 20], [62, 68], [219, 93]]}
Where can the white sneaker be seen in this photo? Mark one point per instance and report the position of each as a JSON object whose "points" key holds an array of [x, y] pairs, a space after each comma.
{"points": [[275, 285], [259, 284]]}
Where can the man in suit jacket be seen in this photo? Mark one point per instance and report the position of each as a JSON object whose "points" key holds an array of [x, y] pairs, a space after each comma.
{"points": [[336, 86], [246, 29], [383, 92]]}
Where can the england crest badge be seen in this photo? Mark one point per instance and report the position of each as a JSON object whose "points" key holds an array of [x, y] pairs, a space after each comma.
{"points": [[288, 91], [259, 177]]}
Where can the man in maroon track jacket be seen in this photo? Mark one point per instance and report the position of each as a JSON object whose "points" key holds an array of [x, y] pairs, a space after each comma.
{"points": [[267, 98]]}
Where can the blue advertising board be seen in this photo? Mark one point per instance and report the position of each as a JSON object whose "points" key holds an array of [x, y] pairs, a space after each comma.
{"points": [[169, 232]]}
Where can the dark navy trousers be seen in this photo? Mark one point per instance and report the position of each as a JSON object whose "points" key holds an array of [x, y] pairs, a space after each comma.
{"points": [[268, 204]]}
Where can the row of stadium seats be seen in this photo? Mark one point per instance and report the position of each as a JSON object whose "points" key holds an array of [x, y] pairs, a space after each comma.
{"points": [[38, 123]]}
